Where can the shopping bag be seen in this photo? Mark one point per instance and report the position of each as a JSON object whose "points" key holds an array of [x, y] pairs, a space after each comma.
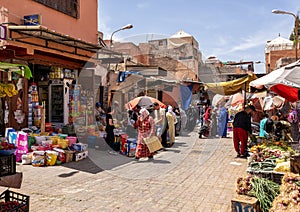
{"points": [[153, 143]]}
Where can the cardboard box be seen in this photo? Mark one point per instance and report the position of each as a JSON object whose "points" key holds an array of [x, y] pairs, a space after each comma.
{"points": [[295, 164], [242, 203], [81, 155]]}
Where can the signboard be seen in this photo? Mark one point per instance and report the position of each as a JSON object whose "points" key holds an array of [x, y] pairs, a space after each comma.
{"points": [[3, 32], [32, 20]]}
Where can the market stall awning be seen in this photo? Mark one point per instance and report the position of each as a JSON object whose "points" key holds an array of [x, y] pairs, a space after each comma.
{"points": [[17, 68], [231, 87], [284, 81]]}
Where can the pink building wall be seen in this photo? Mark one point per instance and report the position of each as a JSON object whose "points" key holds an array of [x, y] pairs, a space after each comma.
{"points": [[85, 28]]}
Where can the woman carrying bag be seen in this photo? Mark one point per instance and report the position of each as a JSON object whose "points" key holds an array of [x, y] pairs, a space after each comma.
{"points": [[146, 128]]}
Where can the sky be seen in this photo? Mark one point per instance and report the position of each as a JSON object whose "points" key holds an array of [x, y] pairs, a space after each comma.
{"points": [[231, 30]]}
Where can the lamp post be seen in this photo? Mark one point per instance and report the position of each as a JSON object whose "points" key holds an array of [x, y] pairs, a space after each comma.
{"points": [[128, 26], [296, 27]]}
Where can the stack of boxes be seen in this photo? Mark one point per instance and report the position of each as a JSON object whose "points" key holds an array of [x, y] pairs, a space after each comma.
{"points": [[33, 102]]}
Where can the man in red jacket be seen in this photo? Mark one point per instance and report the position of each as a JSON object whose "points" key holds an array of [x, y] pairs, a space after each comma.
{"points": [[241, 128]]}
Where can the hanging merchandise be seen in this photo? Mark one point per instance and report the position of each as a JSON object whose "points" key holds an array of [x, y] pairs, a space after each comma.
{"points": [[37, 115], [34, 93], [20, 84], [19, 114], [7, 90], [6, 113], [33, 101]]}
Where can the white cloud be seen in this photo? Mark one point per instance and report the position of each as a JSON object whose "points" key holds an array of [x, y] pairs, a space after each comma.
{"points": [[104, 27]]}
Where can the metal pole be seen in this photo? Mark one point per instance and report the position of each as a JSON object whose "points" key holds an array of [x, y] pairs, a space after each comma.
{"points": [[296, 35]]}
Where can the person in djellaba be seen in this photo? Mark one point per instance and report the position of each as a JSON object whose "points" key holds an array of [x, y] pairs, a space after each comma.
{"points": [[146, 128]]}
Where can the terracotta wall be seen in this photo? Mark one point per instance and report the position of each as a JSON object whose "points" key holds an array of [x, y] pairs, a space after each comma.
{"points": [[85, 28], [273, 56]]}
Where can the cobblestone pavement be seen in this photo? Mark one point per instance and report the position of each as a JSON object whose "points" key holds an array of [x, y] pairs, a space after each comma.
{"points": [[194, 175]]}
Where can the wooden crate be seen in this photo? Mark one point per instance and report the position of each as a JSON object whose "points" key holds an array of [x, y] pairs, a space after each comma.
{"points": [[295, 164], [241, 203]]}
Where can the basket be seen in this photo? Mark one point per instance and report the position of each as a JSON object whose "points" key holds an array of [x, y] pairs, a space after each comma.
{"points": [[7, 165], [21, 200]]}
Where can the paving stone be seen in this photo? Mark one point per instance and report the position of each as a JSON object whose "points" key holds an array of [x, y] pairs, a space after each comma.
{"points": [[195, 175]]}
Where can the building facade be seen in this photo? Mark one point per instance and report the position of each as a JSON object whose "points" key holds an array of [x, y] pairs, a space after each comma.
{"points": [[57, 40], [279, 52]]}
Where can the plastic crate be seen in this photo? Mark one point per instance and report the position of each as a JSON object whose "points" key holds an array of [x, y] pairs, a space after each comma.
{"points": [[7, 165], [10, 196]]}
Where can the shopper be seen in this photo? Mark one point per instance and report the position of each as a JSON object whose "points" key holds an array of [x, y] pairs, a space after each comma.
{"points": [[214, 124], [171, 118], [207, 114], [110, 137], [99, 113], [160, 122], [146, 128], [241, 129], [223, 122]]}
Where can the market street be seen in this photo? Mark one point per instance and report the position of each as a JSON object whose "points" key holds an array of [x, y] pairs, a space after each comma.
{"points": [[194, 175]]}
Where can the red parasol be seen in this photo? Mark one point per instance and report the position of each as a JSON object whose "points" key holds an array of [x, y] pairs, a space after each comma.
{"points": [[143, 101]]}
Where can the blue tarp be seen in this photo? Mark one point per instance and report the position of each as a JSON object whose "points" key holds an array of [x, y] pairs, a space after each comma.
{"points": [[186, 96]]}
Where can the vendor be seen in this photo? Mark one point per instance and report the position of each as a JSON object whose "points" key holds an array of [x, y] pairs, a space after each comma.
{"points": [[283, 130], [266, 126]]}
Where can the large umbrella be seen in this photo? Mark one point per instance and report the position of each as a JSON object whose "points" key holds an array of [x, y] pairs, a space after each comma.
{"points": [[143, 101], [284, 81]]}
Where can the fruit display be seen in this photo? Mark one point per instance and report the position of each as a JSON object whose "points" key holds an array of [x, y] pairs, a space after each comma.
{"points": [[10, 206], [6, 146]]}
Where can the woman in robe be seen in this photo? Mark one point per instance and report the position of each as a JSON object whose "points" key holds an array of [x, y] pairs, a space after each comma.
{"points": [[146, 129]]}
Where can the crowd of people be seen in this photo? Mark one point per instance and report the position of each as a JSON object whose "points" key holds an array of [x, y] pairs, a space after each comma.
{"points": [[273, 125], [154, 120], [140, 123]]}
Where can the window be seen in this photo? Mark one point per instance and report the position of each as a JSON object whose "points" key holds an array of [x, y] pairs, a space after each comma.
{"points": [[69, 7]]}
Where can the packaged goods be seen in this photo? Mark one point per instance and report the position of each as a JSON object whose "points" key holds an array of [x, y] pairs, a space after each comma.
{"points": [[51, 157]]}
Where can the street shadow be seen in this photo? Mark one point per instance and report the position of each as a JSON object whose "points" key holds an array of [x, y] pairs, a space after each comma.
{"points": [[85, 165], [173, 150], [160, 161], [70, 174], [178, 144]]}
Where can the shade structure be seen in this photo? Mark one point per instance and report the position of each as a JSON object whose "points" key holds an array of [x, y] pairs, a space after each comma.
{"points": [[143, 101], [231, 87], [16, 68], [284, 81]]}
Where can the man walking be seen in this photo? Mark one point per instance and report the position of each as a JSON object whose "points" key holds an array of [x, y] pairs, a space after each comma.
{"points": [[241, 128], [160, 122]]}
